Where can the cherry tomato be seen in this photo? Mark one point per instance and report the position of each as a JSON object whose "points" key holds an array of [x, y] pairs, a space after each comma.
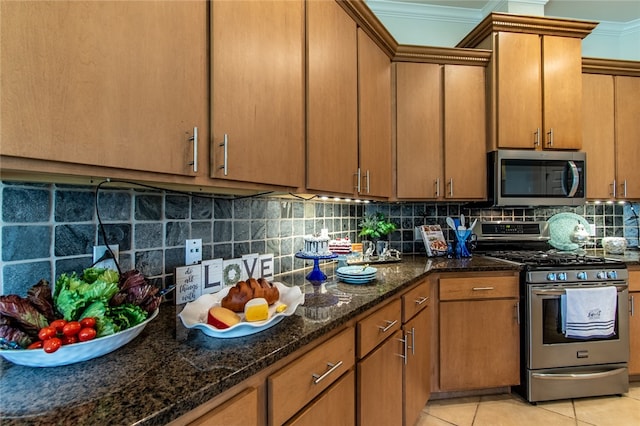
{"points": [[88, 322], [67, 340], [86, 334], [58, 324], [36, 345], [71, 328], [46, 333], [52, 345]]}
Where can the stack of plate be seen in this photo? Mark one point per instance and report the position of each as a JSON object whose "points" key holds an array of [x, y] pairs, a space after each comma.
{"points": [[356, 274]]}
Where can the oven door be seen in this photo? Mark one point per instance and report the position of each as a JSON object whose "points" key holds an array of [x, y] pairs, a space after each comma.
{"points": [[547, 346]]}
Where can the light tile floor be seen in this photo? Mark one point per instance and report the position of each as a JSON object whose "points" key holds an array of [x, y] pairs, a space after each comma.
{"points": [[513, 410]]}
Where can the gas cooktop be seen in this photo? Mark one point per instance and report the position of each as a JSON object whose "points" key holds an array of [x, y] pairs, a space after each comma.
{"points": [[549, 258]]}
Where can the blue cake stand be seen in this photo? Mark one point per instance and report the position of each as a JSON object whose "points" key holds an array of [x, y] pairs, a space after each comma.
{"points": [[316, 276]]}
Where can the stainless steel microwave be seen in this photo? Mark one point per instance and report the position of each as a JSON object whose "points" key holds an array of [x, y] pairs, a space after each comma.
{"points": [[536, 178]]}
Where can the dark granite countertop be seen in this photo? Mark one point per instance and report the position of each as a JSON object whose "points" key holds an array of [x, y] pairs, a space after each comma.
{"points": [[168, 370]]}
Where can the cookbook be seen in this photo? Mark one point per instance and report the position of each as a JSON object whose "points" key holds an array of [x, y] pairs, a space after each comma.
{"points": [[434, 241]]}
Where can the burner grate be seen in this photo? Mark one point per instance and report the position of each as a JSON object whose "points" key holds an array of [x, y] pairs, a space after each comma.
{"points": [[542, 258]]}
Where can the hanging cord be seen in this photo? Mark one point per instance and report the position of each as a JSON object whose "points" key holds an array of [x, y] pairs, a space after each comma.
{"points": [[635, 214], [109, 253]]}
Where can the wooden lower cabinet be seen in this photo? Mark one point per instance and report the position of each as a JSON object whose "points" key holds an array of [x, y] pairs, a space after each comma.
{"points": [[380, 384], [479, 333], [241, 410], [634, 322], [336, 406], [417, 369]]}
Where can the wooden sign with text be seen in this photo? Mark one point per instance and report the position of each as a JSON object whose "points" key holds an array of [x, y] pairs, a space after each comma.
{"points": [[211, 276]]}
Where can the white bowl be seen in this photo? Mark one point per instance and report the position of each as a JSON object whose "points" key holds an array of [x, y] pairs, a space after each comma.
{"points": [[614, 245], [78, 352]]}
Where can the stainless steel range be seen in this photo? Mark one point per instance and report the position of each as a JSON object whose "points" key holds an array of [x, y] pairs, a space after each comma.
{"points": [[558, 362]]}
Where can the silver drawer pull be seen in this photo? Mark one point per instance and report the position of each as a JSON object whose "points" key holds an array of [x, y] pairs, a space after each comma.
{"points": [[405, 352], [332, 368], [483, 288], [421, 300], [389, 325]]}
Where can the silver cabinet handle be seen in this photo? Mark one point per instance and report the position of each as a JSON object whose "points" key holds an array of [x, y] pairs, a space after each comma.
{"points": [[614, 189], [451, 187], [388, 326], [550, 133], [536, 140], [332, 367], [413, 341], [421, 300], [194, 139], [368, 182], [225, 144], [483, 288], [437, 183], [357, 175], [405, 350], [631, 307], [624, 192]]}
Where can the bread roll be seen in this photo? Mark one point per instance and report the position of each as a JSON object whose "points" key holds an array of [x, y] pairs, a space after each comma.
{"points": [[244, 291]]}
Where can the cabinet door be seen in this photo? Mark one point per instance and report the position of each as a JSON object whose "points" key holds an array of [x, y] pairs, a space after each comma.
{"points": [[332, 98], [115, 84], [562, 92], [417, 370], [627, 137], [257, 89], [634, 333], [419, 156], [336, 406], [634, 322], [240, 410], [465, 158], [519, 91], [479, 344], [374, 111], [380, 384], [598, 134]]}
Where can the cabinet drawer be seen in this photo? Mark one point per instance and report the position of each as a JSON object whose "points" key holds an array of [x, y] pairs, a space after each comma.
{"points": [[291, 388], [634, 280], [415, 300], [240, 410], [480, 287], [377, 327]]}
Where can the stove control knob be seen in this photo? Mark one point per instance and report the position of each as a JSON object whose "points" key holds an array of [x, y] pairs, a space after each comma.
{"points": [[612, 275], [582, 275], [601, 275], [562, 276], [551, 276]]}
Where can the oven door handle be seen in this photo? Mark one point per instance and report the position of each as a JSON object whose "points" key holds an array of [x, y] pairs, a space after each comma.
{"points": [[572, 376], [560, 292]]}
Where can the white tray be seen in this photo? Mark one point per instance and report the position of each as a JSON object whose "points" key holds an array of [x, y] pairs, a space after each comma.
{"points": [[194, 314]]}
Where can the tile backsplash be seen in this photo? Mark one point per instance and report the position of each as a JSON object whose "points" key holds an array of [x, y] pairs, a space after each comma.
{"points": [[50, 229]]}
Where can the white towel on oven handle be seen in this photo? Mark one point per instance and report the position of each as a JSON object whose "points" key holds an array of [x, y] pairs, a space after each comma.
{"points": [[590, 312]]}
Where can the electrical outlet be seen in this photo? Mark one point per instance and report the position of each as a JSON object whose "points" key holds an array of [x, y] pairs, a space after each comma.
{"points": [[592, 230], [193, 252], [102, 258]]}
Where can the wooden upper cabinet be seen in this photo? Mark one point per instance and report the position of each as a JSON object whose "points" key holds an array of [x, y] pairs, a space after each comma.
{"points": [[562, 92], [518, 91], [257, 69], [332, 98], [598, 134], [374, 127], [627, 113], [419, 150], [539, 91], [441, 136], [114, 84], [535, 82], [465, 159]]}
